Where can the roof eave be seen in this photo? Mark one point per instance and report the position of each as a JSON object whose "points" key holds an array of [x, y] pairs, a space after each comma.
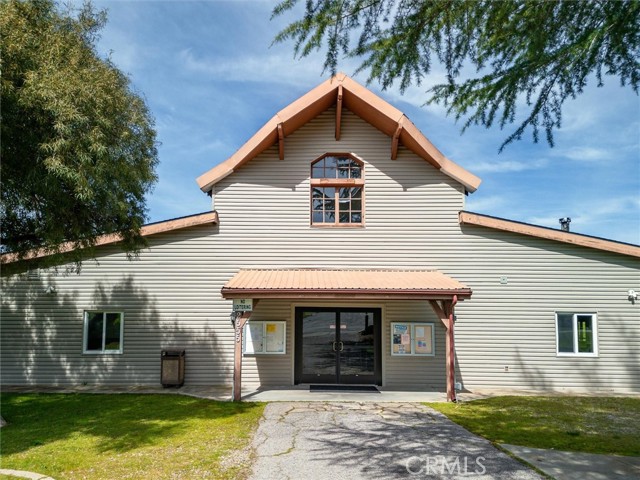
{"points": [[355, 294], [470, 218], [145, 231], [292, 117], [362, 102]]}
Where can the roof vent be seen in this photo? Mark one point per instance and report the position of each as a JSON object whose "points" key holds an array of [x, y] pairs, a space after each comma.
{"points": [[33, 274], [564, 224]]}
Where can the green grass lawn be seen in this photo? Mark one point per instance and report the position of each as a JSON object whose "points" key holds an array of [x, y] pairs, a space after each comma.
{"points": [[78, 436], [581, 424]]}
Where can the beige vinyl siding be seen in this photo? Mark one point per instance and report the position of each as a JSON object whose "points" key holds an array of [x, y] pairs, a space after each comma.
{"points": [[513, 324], [414, 372], [270, 369], [411, 221], [168, 302], [264, 213], [411, 218], [269, 199]]}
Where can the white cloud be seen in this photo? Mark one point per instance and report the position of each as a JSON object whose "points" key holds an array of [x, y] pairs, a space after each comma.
{"points": [[509, 166], [585, 154], [278, 67], [596, 105], [282, 68], [417, 95], [616, 217]]}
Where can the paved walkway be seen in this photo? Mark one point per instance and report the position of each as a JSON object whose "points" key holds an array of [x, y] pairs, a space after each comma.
{"points": [[24, 474], [578, 466], [354, 440]]}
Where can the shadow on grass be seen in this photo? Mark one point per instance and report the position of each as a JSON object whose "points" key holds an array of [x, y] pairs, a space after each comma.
{"points": [[603, 425], [119, 422]]}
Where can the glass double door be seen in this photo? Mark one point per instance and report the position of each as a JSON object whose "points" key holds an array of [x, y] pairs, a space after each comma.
{"points": [[338, 346]]}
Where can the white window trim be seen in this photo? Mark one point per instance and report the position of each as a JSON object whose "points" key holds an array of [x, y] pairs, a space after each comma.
{"points": [[412, 326], [264, 337], [594, 319], [104, 327]]}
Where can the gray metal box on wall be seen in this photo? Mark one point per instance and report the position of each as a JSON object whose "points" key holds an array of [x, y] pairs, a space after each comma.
{"points": [[172, 368]]}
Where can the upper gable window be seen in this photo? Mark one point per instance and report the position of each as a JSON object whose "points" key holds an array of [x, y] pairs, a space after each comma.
{"points": [[336, 167], [337, 191]]}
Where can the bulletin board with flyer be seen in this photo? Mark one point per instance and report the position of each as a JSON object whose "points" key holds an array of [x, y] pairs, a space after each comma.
{"points": [[411, 338], [265, 337]]}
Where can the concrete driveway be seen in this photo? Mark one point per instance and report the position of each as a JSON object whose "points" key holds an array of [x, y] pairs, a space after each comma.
{"points": [[317, 440]]}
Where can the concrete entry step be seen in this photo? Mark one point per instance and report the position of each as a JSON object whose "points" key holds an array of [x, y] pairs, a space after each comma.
{"points": [[303, 394], [344, 388]]}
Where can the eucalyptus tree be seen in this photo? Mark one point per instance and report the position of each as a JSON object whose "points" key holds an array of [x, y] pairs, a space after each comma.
{"points": [[78, 144]]}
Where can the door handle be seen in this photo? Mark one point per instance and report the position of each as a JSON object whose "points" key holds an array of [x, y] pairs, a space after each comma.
{"points": [[341, 346], [334, 346]]}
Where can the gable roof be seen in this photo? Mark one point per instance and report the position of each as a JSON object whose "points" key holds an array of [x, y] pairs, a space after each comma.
{"points": [[110, 238], [359, 100], [470, 218]]}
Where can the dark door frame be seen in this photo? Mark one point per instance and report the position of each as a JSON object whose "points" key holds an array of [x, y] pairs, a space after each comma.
{"points": [[377, 337]]}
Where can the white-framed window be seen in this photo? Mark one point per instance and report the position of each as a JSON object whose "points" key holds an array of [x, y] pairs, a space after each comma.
{"points": [[103, 331], [265, 337], [576, 334], [412, 338]]}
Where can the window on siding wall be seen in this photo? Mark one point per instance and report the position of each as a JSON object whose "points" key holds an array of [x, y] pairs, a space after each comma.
{"points": [[576, 334], [103, 332], [337, 191]]}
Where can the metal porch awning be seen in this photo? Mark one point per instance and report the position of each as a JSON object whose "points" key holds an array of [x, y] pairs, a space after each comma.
{"points": [[344, 284], [441, 291]]}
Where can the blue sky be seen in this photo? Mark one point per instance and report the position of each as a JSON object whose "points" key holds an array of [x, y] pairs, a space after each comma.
{"points": [[212, 79]]}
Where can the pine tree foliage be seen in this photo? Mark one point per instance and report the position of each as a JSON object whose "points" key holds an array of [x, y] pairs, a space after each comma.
{"points": [[506, 61], [78, 144]]}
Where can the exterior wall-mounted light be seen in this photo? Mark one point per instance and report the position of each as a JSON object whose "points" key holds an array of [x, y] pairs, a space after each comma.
{"points": [[233, 316]]}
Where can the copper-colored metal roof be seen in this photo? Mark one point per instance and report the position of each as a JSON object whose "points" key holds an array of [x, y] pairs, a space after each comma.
{"points": [[358, 100], [107, 239], [335, 283], [470, 218]]}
